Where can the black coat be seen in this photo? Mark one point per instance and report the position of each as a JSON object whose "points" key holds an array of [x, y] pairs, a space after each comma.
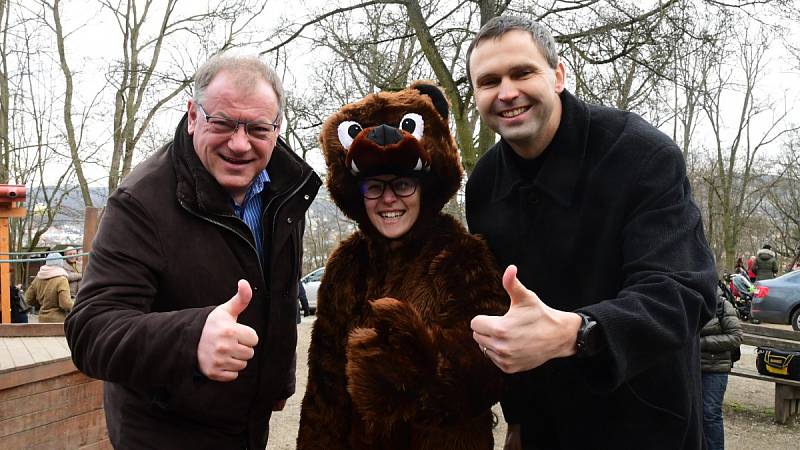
{"points": [[606, 227], [168, 250]]}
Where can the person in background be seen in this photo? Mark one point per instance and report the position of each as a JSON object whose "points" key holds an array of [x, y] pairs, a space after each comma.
{"points": [[74, 275], [19, 309], [751, 273], [766, 264], [718, 338], [739, 267], [187, 306], [610, 276], [301, 296], [49, 291]]}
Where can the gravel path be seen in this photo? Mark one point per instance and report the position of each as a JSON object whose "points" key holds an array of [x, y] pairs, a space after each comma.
{"points": [[748, 410]]}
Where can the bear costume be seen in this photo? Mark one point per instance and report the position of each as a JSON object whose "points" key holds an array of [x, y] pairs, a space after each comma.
{"points": [[392, 363]]}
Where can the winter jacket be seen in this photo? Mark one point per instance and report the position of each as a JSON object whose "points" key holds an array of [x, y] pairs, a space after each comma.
{"points": [[766, 265], [49, 292], [718, 339], [169, 249], [74, 277], [607, 227], [440, 387]]}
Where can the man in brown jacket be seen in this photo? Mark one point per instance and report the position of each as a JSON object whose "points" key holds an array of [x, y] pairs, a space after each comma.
{"points": [[187, 305], [74, 275], [49, 291]]}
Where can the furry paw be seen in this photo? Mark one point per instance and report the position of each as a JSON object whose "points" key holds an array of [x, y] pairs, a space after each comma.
{"points": [[389, 364]]}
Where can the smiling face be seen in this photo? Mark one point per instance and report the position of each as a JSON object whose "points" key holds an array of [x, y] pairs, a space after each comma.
{"points": [[233, 160], [517, 92], [391, 214]]}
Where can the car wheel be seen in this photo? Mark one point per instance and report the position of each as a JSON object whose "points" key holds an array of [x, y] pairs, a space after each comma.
{"points": [[796, 320]]}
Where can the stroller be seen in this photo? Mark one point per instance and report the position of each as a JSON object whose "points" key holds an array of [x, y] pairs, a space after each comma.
{"points": [[739, 291]]}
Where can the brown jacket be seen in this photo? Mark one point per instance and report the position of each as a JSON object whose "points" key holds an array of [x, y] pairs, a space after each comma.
{"points": [[392, 363], [74, 277], [168, 250], [51, 297]]}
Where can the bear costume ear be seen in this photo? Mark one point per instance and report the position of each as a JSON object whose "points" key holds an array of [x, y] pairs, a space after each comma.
{"points": [[437, 97]]}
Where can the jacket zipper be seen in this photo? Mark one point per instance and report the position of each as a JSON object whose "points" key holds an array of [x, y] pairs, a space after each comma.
{"points": [[263, 214], [285, 199], [232, 230]]}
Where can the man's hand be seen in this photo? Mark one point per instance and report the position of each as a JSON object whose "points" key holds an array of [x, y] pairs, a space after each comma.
{"points": [[529, 334], [226, 346]]}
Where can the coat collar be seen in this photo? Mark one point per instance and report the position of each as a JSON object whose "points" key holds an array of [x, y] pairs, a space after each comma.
{"points": [[564, 156]]}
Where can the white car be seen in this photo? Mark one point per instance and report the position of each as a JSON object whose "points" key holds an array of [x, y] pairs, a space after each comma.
{"points": [[311, 285]]}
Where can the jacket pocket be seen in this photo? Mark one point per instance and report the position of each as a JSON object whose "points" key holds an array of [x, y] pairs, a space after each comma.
{"points": [[222, 404]]}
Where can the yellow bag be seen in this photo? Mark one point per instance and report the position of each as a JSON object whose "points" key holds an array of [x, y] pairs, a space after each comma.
{"points": [[778, 363]]}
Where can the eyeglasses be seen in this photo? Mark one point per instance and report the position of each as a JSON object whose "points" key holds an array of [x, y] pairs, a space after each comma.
{"points": [[227, 127], [372, 188]]}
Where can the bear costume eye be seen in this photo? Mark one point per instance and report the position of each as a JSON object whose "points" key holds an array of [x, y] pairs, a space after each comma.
{"points": [[348, 130], [412, 123]]}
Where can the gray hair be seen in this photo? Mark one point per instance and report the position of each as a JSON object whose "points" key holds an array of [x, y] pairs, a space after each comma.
{"points": [[500, 25], [248, 71]]}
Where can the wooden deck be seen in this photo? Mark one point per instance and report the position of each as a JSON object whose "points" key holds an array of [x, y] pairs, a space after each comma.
{"points": [[17, 353], [45, 402]]}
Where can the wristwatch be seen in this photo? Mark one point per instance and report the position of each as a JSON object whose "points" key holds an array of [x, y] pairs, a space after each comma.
{"points": [[588, 340]]}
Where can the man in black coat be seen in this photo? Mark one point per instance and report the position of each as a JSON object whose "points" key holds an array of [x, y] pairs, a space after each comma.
{"points": [[303, 298], [590, 208]]}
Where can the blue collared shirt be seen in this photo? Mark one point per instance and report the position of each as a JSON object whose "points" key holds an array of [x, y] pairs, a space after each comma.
{"points": [[250, 209]]}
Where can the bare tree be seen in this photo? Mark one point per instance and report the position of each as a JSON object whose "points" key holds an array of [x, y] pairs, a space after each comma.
{"points": [[5, 143], [782, 206], [37, 155], [741, 182], [699, 48], [383, 44], [143, 81], [626, 65], [631, 40], [74, 136]]}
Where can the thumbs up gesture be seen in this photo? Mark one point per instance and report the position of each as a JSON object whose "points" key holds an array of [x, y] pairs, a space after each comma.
{"points": [[226, 346], [529, 334]]}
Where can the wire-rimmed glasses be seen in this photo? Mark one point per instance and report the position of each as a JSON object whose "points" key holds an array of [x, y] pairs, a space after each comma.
{"points": [[227, 127]]}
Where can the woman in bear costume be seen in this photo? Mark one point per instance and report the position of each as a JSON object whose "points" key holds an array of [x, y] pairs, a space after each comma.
{"points": [[392, 363]]}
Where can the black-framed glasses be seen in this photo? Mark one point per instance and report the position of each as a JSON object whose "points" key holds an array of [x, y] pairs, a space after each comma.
{"points": [[372, 188], [227, 127]]}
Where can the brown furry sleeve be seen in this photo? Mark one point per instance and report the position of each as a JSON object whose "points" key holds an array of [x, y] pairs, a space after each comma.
{"points": [[467, 381], [326, 404]]}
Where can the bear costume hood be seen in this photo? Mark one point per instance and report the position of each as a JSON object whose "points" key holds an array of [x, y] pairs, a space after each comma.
{"points": [[403, 133]]}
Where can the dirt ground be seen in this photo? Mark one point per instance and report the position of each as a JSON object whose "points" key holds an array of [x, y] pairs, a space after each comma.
{"points": [[748, 410]]}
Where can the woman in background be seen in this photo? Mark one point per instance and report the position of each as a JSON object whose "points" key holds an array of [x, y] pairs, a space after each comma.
{"points": [[49, 291]]}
